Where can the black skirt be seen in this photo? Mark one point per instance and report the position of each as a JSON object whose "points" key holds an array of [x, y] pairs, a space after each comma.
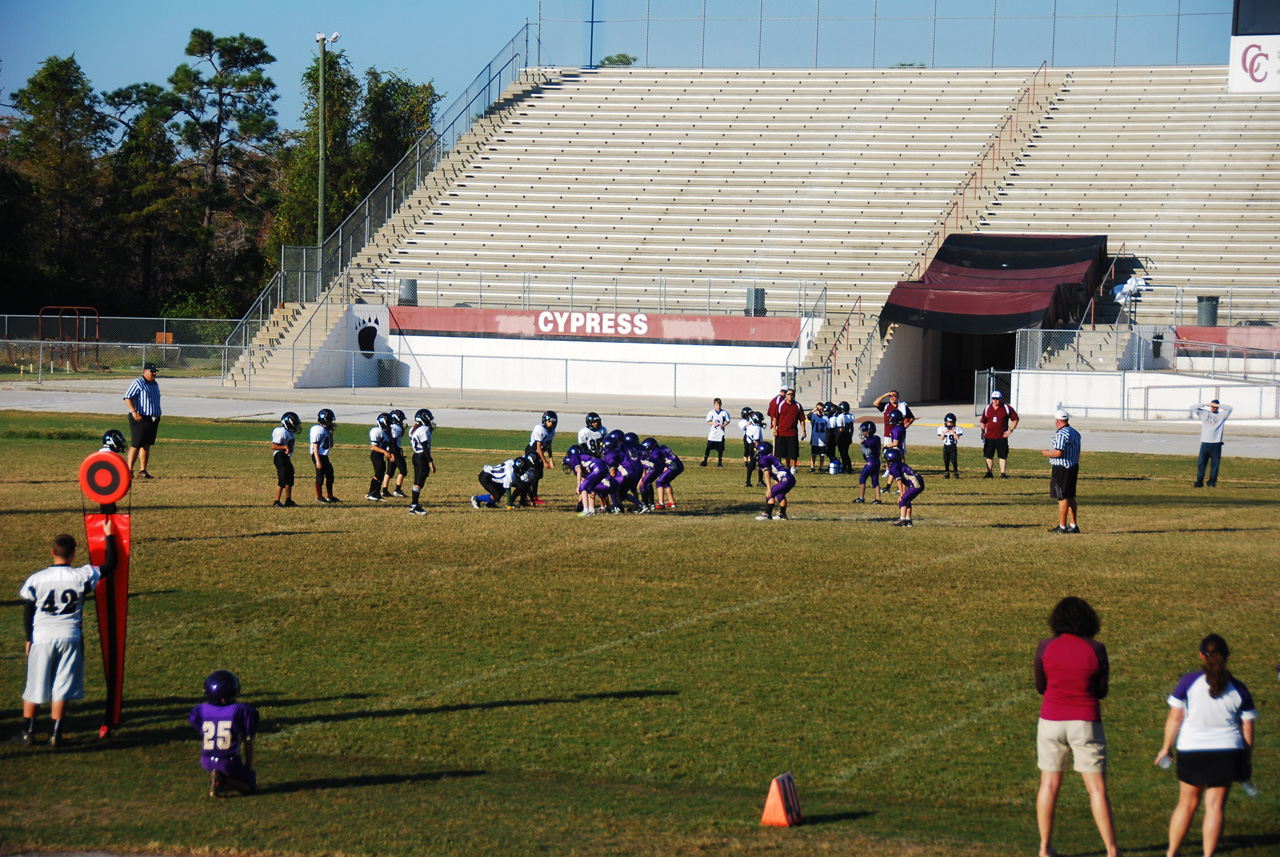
{"points": [[1213, 768]]}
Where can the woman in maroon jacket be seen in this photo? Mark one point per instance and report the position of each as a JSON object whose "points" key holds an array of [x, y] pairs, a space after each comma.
{"points": [[1071, 674]]}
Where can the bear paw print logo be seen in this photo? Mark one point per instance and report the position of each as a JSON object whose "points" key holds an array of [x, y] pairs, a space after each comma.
{"points": [[366, 334]]}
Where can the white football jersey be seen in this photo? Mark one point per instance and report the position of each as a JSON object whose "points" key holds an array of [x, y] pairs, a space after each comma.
{"points": [[585, 435], [420, 439], [282, 436], [718, 419], [753, 433], [321, 439], [59, 592], [379, 438], [396, 433], [542, 434]]}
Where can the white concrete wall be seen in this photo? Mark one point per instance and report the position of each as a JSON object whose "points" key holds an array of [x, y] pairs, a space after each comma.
{"points": [[1135, 395], [911, 364], [552, 366]]}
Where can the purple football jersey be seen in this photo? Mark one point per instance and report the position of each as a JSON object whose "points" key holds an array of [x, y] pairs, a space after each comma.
{"points": [[223, 727]]}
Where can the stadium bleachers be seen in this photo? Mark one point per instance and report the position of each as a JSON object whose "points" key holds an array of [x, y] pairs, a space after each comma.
{"points": [[676, 189], [1169, 165]]}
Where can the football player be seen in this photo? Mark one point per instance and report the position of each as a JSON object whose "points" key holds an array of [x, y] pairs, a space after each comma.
{"points": [[844, 439], [593, 430], [592, 473], [950, 434], [53, 618], [423, 463], [752, 425], [651, 468], [912, 484], [508, 482], [321, 446], [818, 428], [897, 439], [672, 467], [778, 478], [226, 727], [380, 456], [870, 446], [396, 467], [282, 438], [539, 449]]}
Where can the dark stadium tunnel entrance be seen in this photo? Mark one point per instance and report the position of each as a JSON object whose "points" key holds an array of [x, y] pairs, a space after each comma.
{"points": [[962, 354]]}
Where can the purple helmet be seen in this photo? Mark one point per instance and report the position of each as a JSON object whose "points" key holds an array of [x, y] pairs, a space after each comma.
{"points": [[631, 439], [572, 458], [221, 687], [895, 418], [649, 444], [764, 448], [893, 455]]}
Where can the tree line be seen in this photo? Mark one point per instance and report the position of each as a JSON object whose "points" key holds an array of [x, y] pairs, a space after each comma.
{"points": [[175, 200]]}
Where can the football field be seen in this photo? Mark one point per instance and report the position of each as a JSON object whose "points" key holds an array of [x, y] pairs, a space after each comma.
{"points": [[511, 682]]}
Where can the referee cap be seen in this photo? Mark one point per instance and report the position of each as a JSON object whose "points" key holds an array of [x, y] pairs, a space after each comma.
{"points": [[149, 367], [1062, 415]]}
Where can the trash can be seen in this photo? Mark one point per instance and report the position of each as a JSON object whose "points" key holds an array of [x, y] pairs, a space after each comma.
{"points": [[1207, 311], [1157, 345], [408, 293], [755, 302], [387, 373]]}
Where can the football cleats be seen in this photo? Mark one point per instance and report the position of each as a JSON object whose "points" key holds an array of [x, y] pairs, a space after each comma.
{"points": [[649, 444], [549, 419], [868, 429], [746, 412], [326, 418], [764, 448], [113, 440], [290, 420], [844, 407], [893, 455], [424, 417], [399, 417], [384, 423], [631, 439], [757, 418], [221, 687], [950, 420], [895, 418], [593, 421]]}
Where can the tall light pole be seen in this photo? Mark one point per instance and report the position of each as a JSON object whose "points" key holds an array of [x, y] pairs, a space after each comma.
{"points": [[322, 41]]}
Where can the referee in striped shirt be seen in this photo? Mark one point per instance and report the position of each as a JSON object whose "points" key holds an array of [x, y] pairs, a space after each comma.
{"points": [[1064, 455], [143, 397]]}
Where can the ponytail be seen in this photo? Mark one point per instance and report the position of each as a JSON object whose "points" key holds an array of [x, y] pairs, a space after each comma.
{"points": [[1215, 652]]}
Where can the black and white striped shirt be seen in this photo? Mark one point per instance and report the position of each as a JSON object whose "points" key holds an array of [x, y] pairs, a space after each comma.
{"points": [[1067, 440], [145, 396]]}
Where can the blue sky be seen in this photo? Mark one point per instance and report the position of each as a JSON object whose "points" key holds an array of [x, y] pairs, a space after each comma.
{"points": [[133, 41]]}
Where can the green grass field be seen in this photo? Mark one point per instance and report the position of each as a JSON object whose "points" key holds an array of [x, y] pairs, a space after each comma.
{"points": [[493, 682]]}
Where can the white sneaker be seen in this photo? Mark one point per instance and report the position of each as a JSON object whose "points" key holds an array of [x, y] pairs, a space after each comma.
{"points": [[763, 517], [373, 498], [417, 510], [475, 502]]}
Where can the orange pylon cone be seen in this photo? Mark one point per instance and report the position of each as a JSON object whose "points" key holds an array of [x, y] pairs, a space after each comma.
{"points": [[782, 807]]}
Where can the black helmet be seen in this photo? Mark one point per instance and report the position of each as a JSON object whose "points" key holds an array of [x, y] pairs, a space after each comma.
{"points": [[949, 419], [221, 687], [424, 417], [325, 418], [593, 421], [290, 420], [550, 417], [844, 407], [867, 428], [113, 440], [746, 412]]}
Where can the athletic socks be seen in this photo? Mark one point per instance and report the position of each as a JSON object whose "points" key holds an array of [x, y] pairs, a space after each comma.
{"points": [[416, 492]]}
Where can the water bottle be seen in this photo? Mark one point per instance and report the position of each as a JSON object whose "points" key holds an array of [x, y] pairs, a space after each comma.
{"points": [[1166, 763], [1249, 788]]}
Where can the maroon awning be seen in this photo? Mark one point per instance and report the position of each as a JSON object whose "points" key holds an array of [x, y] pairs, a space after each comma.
{"points": [[982, 284]]}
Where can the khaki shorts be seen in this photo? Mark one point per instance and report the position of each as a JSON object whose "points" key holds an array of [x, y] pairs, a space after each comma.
{"points": [[1085, 740]]}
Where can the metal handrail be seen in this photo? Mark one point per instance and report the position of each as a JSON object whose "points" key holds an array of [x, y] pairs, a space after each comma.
{"points": [[940, 234]]}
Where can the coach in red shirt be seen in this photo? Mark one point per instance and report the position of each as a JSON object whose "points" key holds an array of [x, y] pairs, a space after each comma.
{"points": [[998, 422], [788, 429]]}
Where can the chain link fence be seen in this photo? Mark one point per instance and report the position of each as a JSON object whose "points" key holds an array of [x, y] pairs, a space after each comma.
{"points": [[1250, 402], [455, 375], [91, 328]]}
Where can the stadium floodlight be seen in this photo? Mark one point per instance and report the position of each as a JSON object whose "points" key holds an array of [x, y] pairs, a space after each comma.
{"points": [[320, 140]]}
